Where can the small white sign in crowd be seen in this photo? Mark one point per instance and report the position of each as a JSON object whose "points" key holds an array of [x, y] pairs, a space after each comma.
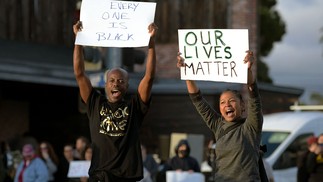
{"points": [[184, 176], [78, 169]]}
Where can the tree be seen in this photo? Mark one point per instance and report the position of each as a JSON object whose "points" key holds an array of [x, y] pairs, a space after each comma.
{"points": [[272, 28], [316, 98]]}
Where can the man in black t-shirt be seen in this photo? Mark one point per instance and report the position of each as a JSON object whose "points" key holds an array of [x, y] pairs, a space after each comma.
{"points": [[114, 121]]}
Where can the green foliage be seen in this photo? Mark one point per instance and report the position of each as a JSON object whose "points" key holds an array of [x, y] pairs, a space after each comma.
{"points": [[263, 72], [317, 98], [272, 29]]}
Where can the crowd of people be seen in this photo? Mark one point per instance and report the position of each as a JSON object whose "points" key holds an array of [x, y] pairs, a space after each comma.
{"points": [[41, 162]]}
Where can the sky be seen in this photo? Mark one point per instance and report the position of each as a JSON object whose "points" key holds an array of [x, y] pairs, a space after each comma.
{"points": [[297, 60]]}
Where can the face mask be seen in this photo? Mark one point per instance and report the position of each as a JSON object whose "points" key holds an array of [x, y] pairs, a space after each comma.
{"points": [[183, 152]]}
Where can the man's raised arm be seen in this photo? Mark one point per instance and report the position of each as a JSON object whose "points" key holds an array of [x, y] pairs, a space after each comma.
{"points": [[83, 81], [146, 83]]}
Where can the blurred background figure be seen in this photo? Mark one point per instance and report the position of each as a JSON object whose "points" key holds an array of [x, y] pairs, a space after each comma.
{"points": [[32, 168], [48, 154], [149, 163], [64, 164], [314, 161], [208, 166], [3, 171], [147, 176], [86, 155], [6, 163], [302, 172], [183, 161], [80, 144], [211, 154]]}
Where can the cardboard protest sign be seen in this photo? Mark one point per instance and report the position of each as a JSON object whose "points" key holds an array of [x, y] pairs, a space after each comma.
{"points": [[78, 169], [214, 54], [184, 176], [108, 23]]}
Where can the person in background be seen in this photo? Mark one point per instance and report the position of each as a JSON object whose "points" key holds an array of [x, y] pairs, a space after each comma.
{"points": [[237, 152], [302, 171], [80, 144], [211, 154], [3, 171], [208, 166], [64, 164], [149, 162], [115, 120], [314, 162], [48, 154], [86, 155], [32, 168], [6, 162], [182, 161], [147, 177]]}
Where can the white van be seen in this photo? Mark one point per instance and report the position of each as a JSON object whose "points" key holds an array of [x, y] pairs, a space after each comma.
{"points": [[285, 135]]}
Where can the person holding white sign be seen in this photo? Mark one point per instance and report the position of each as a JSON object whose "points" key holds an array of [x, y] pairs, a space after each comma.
{"points": [[182, 161], [237, 150], [114, 121]]}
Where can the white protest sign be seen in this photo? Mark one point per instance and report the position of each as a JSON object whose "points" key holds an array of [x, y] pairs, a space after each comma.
{"points": [[78, 169], [109, 23], [184, 176], [214, 54]]}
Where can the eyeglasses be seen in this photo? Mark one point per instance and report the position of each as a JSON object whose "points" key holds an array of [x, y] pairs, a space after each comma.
{"points": [[320, 144]]}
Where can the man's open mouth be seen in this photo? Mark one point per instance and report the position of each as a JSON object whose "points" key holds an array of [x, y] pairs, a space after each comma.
{"points": [[115, 92]]}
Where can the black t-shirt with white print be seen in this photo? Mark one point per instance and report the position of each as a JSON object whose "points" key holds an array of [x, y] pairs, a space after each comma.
{"points": [[114, 131]]}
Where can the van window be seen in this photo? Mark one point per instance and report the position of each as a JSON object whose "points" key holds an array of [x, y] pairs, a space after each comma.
{"points": [[272, 140], [289, 157]]}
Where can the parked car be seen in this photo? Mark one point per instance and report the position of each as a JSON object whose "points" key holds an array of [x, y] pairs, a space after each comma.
{"points": [[285, 136]]}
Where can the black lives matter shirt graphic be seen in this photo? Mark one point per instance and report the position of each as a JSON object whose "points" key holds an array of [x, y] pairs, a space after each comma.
{"points": [[114, 121]]}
